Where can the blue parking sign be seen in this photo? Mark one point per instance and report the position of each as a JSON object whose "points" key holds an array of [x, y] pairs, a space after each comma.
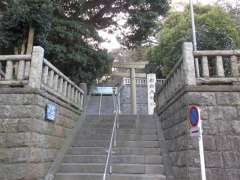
{"points": [[51, 112], [194, 115]]}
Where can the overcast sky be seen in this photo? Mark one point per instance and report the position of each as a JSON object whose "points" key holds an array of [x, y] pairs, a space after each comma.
{"points": [[111, 41]]}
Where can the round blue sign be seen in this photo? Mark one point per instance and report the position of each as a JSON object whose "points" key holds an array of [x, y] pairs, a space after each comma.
{"points": [[194, 116]]}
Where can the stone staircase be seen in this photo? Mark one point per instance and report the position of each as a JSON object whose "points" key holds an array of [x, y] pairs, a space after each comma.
{"points": [[106, 107], [136, 157]]}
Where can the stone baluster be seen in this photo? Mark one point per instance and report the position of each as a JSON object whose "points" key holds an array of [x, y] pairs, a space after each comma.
{"points": [[45, 75], [51, 79], [27, 69], [234, 66], [205, 68], [73, 93], [35, 75], [78, 97], [55, 81], [174, 80], [69, 91], [20, 71], [65, 88], [9, 70], [60, 89], [81, 100], [83, 95], [219, 66]]}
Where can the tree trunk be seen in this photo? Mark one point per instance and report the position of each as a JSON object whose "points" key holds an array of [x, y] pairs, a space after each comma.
{"points": [[30, 39], [29, 50], [23, 48]]}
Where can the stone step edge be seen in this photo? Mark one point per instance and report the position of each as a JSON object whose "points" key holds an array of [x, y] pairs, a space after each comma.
{"points": [[118, 141], [114, 174], [106, 148], [131, 155], [116, 164]]}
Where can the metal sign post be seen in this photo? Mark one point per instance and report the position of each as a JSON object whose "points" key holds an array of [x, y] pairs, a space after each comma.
{"points": [[196, 130], [201, 151]]}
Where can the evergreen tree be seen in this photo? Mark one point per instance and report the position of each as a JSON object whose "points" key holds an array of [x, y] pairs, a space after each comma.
{"points": [[215, 30], [21, 20], [68, 30], [73, 44]]}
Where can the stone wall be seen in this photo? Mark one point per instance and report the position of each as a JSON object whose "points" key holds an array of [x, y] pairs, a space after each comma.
{"points": [[142, 99], [28, 143], [221, 128]]}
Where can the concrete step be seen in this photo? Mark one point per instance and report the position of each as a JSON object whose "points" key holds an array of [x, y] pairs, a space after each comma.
{"points": [[95, 117], [99, 176], [117, 151], [121, 121], [126, 137], [122, 136], [122, 118], [116, 168], [101, 143], [121, 126], [130, 159], [119, 131], [136, 157], [106, 105]]}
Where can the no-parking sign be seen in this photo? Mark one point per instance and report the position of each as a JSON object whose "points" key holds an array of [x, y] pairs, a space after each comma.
{"points": [[194, 118]]}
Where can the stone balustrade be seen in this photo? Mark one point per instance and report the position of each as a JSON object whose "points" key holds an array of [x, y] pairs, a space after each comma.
{"points": [[160, 81], [141, 81], [218, 66], [14, 69], [58, 84], [210, 80], [36, 72], [181, 75]]}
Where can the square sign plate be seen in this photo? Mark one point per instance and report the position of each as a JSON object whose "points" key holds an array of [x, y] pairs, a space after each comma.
{"points": [[195, 131], [51, 112]]}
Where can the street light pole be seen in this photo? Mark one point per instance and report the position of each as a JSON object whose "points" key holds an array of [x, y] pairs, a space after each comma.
{"points": [[193, 25], [201, 150], [194, 37]]}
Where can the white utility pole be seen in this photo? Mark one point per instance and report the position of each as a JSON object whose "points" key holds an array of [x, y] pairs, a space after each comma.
{"points": [[194, 36], [193, 26]]}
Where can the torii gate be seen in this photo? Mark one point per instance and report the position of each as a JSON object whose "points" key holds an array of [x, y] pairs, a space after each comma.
{"points": [[132, 66]]}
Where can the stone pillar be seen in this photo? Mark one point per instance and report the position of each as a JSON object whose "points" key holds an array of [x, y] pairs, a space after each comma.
{"points": [[133, 90], [219, 66], [234, 66], [188, 64], [35, 75], [83, 86], [205, 68]]}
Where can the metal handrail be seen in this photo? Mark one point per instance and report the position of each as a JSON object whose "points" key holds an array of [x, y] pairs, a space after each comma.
{"points": [[113, 140]]}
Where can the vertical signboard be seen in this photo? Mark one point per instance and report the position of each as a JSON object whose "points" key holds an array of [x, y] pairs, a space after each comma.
{"points": [[51, 112], [151, 84]]}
